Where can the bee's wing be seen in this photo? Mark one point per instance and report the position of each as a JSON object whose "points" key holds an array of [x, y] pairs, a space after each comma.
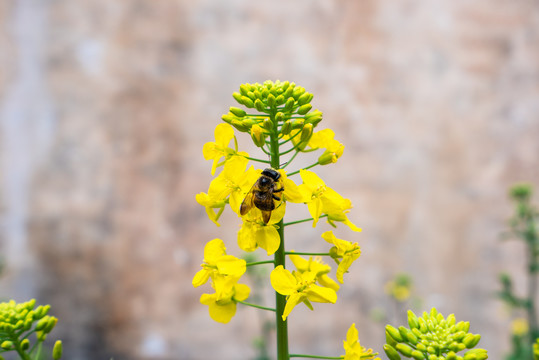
{"points": [[247, 203]]}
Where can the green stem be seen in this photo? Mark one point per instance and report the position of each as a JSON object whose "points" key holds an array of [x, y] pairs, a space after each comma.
{"points": [[279, 257], [315, 356], [305, 168], [260, 262], [303, 220], [259, 160], [256, 306]]}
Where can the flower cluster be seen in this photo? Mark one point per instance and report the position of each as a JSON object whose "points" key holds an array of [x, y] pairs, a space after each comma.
{"points": [[433, 337], [18, 321], [280, 121]]}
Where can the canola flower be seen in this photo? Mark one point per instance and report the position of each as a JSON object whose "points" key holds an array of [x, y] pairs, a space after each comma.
{"points": [[433, 337], [18, 321], [279, 119]]}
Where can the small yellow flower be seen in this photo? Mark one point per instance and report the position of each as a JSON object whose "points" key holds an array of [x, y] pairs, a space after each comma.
{"points": [[318, 267], [218, 149], [299, 287], [519, 327], [325, 139], [353, 348], [218, 263], [222, 304], [344, 253], [211, 204], [322, 199], [254, 233]]}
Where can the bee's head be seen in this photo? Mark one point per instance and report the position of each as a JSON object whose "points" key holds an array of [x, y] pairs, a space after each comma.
{"points": [[272, 173]]}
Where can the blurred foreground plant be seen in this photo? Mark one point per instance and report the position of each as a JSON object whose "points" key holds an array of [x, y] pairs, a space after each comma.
{"points": [[18, 322], [433, 337], [523, 226]]}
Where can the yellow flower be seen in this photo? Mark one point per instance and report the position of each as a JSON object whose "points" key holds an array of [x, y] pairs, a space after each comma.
{"points": [[322, 199], [291, 191], [210, 204], [325, 139], [353, 348], [519, 327], [344, 253], [218, 263], [299, 287], [254, 233], [222, 304], [218, 149], [318, 267]]}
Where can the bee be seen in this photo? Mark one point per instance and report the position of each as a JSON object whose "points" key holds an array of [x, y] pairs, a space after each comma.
{"points": [[262, 194]]}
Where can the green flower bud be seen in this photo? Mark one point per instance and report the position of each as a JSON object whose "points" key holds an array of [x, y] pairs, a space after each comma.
{"points": [[57, 350], [25, 344], [237, 111], [289, 91], [7, 345], [287, 126], [404, 349], [306, 133], [279, 100], [271, 100], [451, 356], [244, 89], [259, 105], [304, 109], [42, 323], [279, 117], [258, 136], [247, 102], [229, 118], [237, 97], [240, 125], [267, 124], [391, 353], [257, 94], [394, 333], [418, 355], [289, 104], [471, 340], [412, 320], [298, 92], [297, 124], [50, 324], [327, 158], [421, 347], [305, 98]]}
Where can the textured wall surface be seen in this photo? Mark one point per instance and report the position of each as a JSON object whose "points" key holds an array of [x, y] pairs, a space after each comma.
{"points": [[105, 107]]}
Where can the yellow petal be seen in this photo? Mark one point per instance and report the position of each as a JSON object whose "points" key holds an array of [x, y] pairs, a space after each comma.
{"points": [[267, 237], [291, 303], [223, 134], [222, 313], [231, 265], [283, 281], [201, 277], [321, 294], [242, 292], [213, 250], [246, 237]]}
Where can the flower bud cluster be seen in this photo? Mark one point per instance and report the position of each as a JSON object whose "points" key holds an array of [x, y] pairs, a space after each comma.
{"points": [[287, 104], [433, 337], [16, 319]]}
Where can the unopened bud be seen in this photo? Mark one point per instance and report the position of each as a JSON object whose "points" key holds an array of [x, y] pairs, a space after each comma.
{"points": [[305, 98], [404, 349], [267, 124], [289, 104], [271, 100], [247, 102], [391, 353], [418, 355], [257, 134], [57, 350], [394, 333], [298, 92], [240, 125], [287, 126], [412, 320], [7, 345], [279, 100], [279, 117], [306, 133], [289, 91], [259, 105], [25, 344], [244, 89], [237, 97], [237, 111], [304, 109], [471, 340]]}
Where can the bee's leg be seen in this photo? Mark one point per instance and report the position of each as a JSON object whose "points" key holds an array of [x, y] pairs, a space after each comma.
{"points": [[276, 197], [278, 190]]}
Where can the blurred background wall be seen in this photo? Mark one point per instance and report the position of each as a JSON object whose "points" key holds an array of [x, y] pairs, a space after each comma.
{"points": [[105, 107]]}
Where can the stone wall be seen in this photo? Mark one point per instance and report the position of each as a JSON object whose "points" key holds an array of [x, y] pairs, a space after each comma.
{"points": [[106, 106]]}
